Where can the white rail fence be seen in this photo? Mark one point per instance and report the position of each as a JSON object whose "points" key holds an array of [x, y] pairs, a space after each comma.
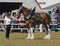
{"points": [[14, 28], [19, 28]]}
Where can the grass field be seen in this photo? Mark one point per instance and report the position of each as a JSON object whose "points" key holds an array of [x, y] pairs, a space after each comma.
{"points": [[19, 39]]}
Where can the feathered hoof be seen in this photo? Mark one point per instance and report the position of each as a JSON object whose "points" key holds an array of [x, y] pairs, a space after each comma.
{"points": [[28, 38], [32, 38], [47, 36]]}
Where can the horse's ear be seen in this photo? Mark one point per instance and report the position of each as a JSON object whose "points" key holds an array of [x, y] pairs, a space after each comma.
{"points": [[20, 7]]}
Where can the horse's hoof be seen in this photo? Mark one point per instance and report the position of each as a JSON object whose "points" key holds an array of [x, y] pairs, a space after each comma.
{"points": [[31, 38], [47, 37], [28, 38]]}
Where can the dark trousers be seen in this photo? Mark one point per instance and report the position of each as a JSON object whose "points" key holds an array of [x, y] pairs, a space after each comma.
{"points": [[8, 30]]}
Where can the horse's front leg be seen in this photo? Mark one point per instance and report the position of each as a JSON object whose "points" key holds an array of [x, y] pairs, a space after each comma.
{"points": [[48, 35], [28, 37], [32, 35]]}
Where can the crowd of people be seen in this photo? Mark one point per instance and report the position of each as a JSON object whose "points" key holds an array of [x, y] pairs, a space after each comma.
{"points": [[55, 13], [55, 18], [16, 18]]}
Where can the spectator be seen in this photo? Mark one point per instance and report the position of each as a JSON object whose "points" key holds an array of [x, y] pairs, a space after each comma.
{"points": [[57, 14], [21, 19]]}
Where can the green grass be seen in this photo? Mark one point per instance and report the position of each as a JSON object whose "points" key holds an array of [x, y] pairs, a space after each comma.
{"points": [[19, 39]]}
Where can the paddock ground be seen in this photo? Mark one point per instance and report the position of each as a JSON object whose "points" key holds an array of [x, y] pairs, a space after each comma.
{"points": [[19, 39]]}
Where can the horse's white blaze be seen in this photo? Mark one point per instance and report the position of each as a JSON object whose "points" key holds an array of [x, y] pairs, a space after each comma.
{"points": [[40, 27]]}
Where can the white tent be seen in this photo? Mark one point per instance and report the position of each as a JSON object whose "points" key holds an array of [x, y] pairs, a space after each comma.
{"points": [[27, 3], [32, 4], [47, 3], [35, 3]]}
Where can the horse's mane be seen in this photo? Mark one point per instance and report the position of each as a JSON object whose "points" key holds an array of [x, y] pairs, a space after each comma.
{"points": [[25, 8], [48, 16]]}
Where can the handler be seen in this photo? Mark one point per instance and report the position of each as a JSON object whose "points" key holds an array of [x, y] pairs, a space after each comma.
{"points": [[7, 24]]}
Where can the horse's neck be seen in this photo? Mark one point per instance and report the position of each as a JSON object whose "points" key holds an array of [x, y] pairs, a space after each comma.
{"points": [[25, 13]]}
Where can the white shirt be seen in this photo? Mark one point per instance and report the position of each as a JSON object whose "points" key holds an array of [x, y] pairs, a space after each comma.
{"points": [[7, 20], [22, 17]]}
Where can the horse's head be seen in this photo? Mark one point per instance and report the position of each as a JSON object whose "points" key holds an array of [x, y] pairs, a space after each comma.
{"points": [[27, 12], [24, 10]]}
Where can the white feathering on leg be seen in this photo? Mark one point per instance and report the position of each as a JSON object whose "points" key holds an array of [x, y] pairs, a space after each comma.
{"points": [[48, 36], [40, 28], [28, 37], [32, 35]]}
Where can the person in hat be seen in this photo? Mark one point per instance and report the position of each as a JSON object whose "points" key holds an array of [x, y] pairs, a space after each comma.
{"points": [[7, 24]]}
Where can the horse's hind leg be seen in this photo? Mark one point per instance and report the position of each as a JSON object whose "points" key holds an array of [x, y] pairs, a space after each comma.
{"points": [[40, 28], [47, 32]]}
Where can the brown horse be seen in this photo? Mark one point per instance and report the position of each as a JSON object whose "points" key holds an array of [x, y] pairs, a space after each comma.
{"points": [[39, 18]]}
